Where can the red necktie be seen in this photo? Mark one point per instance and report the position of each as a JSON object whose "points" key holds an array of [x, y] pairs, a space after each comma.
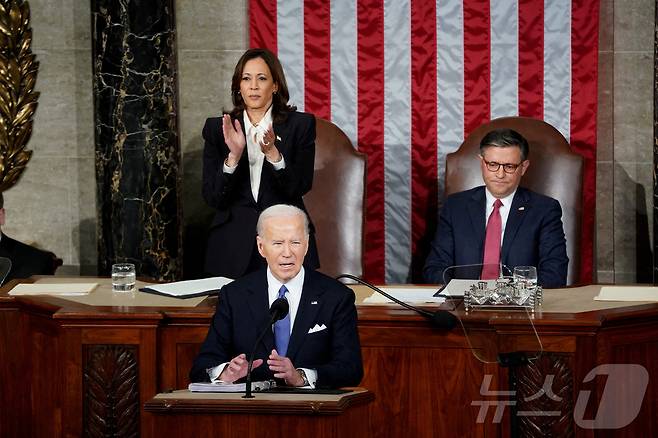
{"points": [[492, 244]]}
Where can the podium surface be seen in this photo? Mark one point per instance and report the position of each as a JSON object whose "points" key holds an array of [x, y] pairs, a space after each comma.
{"points": [[185, 413]]}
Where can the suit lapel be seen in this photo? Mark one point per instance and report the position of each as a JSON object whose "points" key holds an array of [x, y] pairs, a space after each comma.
{"points": [[306, 314], [258, 303], [517, 214], [476, 213]]}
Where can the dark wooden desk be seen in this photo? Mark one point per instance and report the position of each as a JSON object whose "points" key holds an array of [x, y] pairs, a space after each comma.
{"points": [[182, 413], [78, 370]]}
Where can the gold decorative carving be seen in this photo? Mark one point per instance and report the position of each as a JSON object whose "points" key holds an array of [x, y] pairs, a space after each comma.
{"points": [[18, 100]]}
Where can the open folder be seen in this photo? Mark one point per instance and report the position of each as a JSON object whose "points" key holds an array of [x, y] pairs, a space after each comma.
{"points": [[188, 288]]}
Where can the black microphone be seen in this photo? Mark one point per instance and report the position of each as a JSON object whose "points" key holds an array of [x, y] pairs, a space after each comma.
{"points": [[278, 310], [441, 318]]}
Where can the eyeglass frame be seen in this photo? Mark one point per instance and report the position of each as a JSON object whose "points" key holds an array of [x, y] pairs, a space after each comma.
{"points": [[504, 165]]}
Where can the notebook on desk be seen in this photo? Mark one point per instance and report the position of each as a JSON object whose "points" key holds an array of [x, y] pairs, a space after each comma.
{"points": [[53, 289]]}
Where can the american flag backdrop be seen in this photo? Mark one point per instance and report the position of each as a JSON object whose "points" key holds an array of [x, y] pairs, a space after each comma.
{"points": [[407, 81]]}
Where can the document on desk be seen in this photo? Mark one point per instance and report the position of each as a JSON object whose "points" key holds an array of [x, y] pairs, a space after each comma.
{"points": [[53, 289], [627, 293], [188, 288], [411, 295], [458, 286], [230, 387]]}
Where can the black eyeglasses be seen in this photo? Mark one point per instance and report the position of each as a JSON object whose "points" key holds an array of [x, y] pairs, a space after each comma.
{"points": [[492, 166]]}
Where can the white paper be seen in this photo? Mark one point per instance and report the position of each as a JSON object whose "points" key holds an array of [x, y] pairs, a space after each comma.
{"points": [[627, 293], [190, 287], [228, 387], [53, 289], [409, 295], [457, 286]]}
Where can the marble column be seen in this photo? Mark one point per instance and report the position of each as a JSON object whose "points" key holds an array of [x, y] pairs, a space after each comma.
{"points": [[137, 143], [655, 146]]}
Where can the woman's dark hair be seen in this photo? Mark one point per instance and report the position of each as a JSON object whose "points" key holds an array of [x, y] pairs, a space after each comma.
{"points": [[280, 107]]}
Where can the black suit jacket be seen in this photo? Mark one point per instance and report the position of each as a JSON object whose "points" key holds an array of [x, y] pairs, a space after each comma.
{"points": [[25, 259], [232, 236], [243, 313], [534, 236]]}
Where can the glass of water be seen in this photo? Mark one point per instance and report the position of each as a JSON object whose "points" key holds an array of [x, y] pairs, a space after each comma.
{"points": [[525, 278], [123, 277]]}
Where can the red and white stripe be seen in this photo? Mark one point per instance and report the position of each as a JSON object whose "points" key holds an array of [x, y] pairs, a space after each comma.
{"points": [[408, 80]]}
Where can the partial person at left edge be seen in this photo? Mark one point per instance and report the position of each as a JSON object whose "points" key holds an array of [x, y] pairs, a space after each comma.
{"points": [[260, 154], [315, 345], [26, 260]]}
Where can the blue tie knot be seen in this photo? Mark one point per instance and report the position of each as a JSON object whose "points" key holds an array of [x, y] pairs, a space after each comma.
{"points": [[283, 291]]}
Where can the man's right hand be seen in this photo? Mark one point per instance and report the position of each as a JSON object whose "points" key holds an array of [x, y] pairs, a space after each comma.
{"points": [[237, 368]]}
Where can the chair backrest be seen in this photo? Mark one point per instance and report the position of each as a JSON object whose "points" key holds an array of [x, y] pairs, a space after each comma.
{"points": [[335, 203], [554, 171]]}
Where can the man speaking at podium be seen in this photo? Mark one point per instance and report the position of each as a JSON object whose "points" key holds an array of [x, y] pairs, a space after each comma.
{"points": [[316, 344], [501, 222]]}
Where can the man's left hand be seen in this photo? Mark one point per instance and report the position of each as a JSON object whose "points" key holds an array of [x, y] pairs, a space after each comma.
{"points": [[284, 369]]}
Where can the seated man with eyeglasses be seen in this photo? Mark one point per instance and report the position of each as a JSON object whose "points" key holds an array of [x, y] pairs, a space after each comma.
{"points": [[500, 222]]}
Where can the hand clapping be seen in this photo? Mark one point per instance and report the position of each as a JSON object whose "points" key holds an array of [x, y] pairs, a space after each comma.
{"points": [[268, 148], [237, 368], [234, 138], [284, 369]]}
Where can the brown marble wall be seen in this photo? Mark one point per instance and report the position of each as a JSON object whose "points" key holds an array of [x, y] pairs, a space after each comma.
{"points": [[137, 148]]}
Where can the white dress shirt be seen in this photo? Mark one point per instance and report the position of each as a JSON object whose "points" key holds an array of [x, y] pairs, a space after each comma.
{"points": [[253, 135]]}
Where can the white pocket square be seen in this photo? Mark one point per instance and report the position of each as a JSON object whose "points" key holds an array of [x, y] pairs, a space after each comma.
{"points": [[317, 328]]}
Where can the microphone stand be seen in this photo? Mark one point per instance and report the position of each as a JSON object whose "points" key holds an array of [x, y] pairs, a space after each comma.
{"points": [[250, 364], [278, 310]]}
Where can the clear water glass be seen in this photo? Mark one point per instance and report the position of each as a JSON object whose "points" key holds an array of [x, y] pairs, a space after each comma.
{"points": [[123, 277], [525, 277]]}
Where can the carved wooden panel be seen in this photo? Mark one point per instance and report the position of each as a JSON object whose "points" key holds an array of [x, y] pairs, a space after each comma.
{"points": [[111, 391], [545, 397]]}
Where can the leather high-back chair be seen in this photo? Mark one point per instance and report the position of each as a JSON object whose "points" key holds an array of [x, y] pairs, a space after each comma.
{"points": [[554, 171], [335, 202]]}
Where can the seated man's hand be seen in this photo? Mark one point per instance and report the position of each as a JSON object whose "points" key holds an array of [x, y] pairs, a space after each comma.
{"points": [[284, 369], [237, 368]]}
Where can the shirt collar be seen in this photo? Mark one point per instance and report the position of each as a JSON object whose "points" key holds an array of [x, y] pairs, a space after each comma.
{"points": [[507, 200], [294, 285], [263, 124]]}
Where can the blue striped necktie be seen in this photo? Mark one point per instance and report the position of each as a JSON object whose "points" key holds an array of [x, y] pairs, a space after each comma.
{"points": [[282, 329]]}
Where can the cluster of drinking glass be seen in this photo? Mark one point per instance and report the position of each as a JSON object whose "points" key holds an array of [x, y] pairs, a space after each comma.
{"points": [[519, 290]]}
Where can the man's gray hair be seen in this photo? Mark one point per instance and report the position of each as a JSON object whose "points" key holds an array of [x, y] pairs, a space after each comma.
{"points": [[280, 210]]}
